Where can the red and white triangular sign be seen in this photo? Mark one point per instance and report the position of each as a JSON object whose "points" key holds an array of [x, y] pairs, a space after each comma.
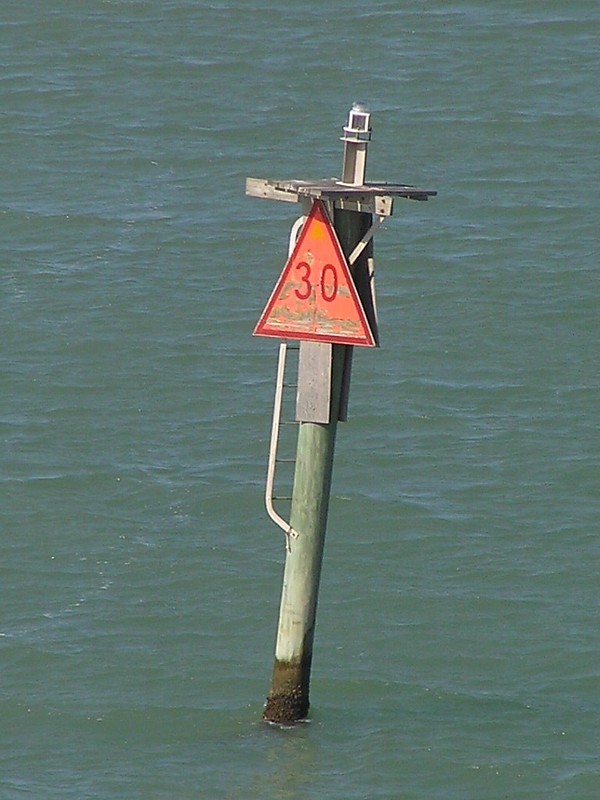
{"points": [[315, 297]]}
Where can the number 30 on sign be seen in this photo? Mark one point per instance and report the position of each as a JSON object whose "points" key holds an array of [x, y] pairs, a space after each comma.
{"points": [[327, 285]]}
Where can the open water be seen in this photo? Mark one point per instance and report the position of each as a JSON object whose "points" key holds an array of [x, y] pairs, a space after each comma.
{"points": [[457, 654]]}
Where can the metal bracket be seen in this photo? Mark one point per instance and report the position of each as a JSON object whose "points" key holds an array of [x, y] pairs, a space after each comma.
{"points": [[365, 240]]}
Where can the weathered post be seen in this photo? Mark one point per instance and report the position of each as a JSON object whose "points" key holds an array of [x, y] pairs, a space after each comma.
{"points": [[288, 696], [325, 299]]}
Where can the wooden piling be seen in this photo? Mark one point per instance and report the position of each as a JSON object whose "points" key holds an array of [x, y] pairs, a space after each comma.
{"points": [[288, 699]]}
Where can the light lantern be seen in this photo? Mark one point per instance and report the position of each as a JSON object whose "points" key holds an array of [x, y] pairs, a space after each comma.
{"points": [[357, 134]]}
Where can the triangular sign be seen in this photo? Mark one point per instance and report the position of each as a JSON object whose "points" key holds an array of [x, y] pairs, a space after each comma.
{"points": [[315, 297]]}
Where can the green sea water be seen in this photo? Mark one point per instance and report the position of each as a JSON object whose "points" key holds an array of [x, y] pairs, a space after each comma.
{"points": [[457, 648]]}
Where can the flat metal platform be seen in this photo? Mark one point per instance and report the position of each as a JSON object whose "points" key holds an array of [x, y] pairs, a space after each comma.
{"points": [[374, 198]]}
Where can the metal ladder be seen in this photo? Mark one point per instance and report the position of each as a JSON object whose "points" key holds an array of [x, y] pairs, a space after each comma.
{"points": [[275, 458]]}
